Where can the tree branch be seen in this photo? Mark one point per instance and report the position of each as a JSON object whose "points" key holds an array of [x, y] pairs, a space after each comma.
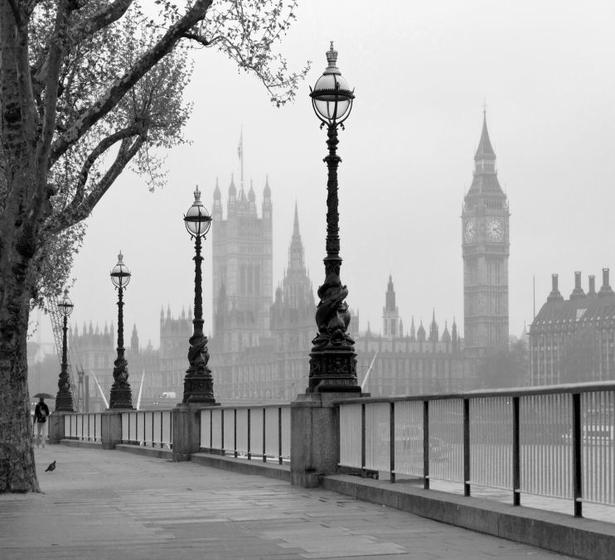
{"points": [[54, 64], [101, 19], [115, 93], [71, 216]]}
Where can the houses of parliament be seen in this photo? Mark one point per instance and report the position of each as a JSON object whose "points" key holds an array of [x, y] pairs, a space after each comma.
{"points": [[261, 338]]}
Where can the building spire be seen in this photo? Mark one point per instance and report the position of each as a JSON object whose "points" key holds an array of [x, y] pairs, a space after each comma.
{"points": [[485, 149], [295, 251]]}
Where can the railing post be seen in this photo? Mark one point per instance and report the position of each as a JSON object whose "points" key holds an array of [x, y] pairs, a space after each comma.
{"points": [[235, 432], [280, 435], [426, 445], [362, 436], [516, 454], [185, 426], [466, 447], [392, 441], [264, 435], [222, 432], [577, 473], [249, 438], [211, 428]]}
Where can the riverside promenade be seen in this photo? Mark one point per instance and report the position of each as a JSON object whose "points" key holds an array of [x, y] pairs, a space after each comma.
{"points": [[108, 505]]}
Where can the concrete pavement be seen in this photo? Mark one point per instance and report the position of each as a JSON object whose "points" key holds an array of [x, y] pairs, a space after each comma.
{"points": [[100, 504]]}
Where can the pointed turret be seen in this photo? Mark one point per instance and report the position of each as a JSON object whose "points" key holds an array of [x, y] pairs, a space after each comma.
{"points": [[446, 336], [267, 200], [420, 333], [389, 304], [412, 331], [295, 251], [232, 196], [433, 328], [391, 323], [216, 213], [134, 340], [454, 335]]}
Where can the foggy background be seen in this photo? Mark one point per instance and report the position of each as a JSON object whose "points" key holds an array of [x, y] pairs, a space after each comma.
{"points": [[422, 72]]}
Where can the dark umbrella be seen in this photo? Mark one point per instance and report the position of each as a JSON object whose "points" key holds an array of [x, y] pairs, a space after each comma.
{"points": [[43, 396]]}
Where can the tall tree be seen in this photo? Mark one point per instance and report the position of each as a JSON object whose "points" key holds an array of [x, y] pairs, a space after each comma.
{"points": [[88, 87]]}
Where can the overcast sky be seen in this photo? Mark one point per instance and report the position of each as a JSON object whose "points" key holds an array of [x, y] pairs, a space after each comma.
{"points": [[422, 71]]}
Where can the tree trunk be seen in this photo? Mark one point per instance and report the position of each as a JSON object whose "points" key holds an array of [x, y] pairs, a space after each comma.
{"points": [[17, 470]]}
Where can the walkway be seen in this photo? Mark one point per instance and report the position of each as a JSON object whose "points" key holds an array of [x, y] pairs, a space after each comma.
{"points": [[108, 505]]}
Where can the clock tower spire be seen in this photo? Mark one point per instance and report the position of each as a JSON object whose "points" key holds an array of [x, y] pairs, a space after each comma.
{"points": [[485, 247]]}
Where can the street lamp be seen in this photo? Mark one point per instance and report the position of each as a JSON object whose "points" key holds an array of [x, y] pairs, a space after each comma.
{"points": [[64, 397], [121, 395], [333, 362], [198, 382]]}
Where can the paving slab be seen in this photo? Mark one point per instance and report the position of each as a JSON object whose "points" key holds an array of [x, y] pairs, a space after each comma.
{"points": [[106, 505]]}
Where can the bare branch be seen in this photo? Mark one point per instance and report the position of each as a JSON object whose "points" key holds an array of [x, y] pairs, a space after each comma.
{"points": [[73, 215], [115, 93]]}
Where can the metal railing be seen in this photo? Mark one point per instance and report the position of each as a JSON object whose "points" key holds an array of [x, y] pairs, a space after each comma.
{"points": [[551, 441], [150, 428], [83, 427], [247, 431]]}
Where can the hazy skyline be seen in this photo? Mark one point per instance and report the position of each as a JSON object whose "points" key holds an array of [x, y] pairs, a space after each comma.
{"points": [[421, 73]]}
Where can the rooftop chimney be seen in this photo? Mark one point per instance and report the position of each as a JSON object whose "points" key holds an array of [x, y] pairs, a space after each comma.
{"points": [[554, 295], [578, 291], [592, 285], [606, 289]]}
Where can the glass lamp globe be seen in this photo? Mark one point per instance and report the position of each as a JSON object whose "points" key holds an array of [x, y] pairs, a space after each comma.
{"points": [[332, 96], [120, 275], [66, 305], [197, 219]]}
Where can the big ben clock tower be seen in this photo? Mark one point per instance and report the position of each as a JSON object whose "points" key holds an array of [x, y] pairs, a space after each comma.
{"points": [[485, 231]]}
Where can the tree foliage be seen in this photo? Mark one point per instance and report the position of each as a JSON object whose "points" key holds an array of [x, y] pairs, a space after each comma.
{"points": [[87, 89]]}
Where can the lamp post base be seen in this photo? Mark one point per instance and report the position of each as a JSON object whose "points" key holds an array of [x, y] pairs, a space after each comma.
{"points": [[120, 397], [198, 389], [333, 371], [64, 402]]}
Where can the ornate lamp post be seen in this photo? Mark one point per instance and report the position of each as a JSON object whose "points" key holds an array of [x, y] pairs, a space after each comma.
{"points": [[198, 382], [64, 397], [332, 359], [121, 395]]}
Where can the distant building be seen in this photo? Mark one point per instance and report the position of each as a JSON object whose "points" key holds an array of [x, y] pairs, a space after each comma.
{"points": [[573, 340], [395, 363], [485, 244]]}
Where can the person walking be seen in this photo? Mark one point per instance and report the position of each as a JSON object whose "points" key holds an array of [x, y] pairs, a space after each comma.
{"points": [[41, 411]]}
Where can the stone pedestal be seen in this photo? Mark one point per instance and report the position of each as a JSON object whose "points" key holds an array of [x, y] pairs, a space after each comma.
{"points": [[55, 427], [314, 437], [186, 431], [111, 428]]}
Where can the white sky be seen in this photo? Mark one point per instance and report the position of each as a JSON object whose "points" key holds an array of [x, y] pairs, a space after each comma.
{"points": [[422, 71]]}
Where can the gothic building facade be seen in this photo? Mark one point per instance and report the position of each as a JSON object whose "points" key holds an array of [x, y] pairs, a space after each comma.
{"points": [[573, 340]]}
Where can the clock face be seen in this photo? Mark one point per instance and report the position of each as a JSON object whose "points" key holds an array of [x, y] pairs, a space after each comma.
{"points": [[495, 229], [469, 232]]}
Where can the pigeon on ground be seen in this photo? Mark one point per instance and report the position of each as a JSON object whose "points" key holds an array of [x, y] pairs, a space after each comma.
{"points": [[51, 467]]}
